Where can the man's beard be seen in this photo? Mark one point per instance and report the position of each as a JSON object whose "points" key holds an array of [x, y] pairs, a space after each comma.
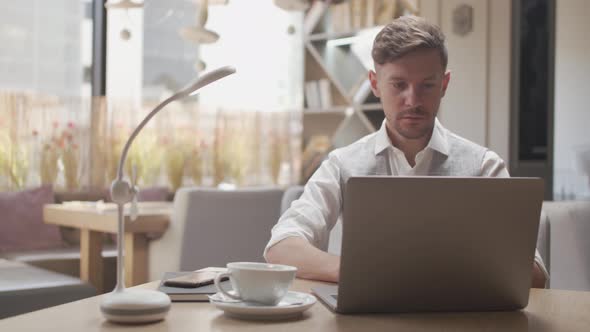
{"points": [[414, 132]]}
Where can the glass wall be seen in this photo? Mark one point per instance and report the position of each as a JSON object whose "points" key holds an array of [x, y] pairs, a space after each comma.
{"points": [[243, 130], [45, 46], [45, 61]]}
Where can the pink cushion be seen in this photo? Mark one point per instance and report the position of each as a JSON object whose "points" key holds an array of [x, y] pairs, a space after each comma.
{"points": [[21, 221]]}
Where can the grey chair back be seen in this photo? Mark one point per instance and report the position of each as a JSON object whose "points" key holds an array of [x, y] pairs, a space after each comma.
{"points": [[226, 226], [291, 194]]}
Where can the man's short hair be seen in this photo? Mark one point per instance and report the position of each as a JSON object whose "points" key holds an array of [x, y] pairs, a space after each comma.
{"points": [[407, 34]]}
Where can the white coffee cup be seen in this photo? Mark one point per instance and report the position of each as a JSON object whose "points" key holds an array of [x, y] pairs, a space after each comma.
{"points": [[257, 282]]}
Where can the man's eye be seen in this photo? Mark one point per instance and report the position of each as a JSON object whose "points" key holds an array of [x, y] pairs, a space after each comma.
{"points": [[428, 85], [399, 85]]}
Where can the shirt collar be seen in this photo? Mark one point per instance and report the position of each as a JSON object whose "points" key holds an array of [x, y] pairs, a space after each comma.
{"points": [[438, 140]]}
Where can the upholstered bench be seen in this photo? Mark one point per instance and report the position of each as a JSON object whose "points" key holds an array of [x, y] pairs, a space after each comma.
{"points": [[25, 288], [67, 261]]}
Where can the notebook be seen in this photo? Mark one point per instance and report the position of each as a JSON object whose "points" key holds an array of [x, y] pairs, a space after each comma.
{"points": [[180, 294]]}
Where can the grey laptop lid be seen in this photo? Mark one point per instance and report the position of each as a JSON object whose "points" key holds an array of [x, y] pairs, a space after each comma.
{"points": [[436, 244]]}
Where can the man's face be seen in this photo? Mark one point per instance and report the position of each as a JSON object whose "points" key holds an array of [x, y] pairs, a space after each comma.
{"points": [[410, 89]]}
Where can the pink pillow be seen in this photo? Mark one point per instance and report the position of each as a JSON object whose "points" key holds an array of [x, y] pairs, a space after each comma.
{"points": [[21, 221]]}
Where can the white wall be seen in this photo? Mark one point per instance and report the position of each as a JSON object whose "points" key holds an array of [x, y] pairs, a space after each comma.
{"points": [[268, 59], [499, 63], [464, 107], [572, 96], [477, 104]]}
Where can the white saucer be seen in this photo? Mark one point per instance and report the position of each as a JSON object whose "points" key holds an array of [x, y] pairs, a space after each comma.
{"points": [[291, 306]]}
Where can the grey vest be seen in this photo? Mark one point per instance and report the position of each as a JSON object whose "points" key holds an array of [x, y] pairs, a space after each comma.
{"points": [[465, 159]]}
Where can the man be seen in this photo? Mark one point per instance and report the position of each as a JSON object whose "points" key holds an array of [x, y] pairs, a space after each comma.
{"points": [[410, 78]]}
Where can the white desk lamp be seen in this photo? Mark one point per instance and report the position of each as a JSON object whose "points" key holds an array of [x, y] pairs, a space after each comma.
{"points": [[140, 306]]}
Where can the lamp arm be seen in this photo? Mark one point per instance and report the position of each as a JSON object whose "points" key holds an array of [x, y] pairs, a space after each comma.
{"points": [[136, 132]]}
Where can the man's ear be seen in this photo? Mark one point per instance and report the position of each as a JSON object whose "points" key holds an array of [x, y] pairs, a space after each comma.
{"points": [[373, 80], [445, 82]]}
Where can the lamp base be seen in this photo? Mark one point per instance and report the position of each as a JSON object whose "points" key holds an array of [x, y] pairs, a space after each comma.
{"points": [[135, 306]]}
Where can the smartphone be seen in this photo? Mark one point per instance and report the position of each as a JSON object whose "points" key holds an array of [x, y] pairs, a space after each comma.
{"points": [[193, 279]]}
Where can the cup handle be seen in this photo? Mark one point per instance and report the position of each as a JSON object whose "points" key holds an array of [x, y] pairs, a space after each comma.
{"points": [[218, 278]]}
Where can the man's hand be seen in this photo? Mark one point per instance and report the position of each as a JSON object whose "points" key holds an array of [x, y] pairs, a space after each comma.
{"points": [[311, 263], [538, 280]]}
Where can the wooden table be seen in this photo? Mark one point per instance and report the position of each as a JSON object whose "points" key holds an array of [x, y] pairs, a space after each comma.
{"points": [[153, 218], [548, 310]]}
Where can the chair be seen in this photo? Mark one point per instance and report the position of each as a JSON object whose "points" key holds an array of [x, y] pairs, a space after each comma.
{"points": [[568, 244], [211, 227]]}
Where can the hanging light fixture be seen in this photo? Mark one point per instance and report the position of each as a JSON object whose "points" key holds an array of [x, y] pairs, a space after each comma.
{"points": [[123, 4], [198, 33], [125, 34], [292, 5]]}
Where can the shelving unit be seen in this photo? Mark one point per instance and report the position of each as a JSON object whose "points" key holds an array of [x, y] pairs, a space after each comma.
{"points": [[338, 41]]}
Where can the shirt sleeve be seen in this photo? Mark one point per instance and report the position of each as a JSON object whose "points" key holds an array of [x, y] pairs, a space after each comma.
{"points": [[539, 261], [315, 213], [494, 166]]}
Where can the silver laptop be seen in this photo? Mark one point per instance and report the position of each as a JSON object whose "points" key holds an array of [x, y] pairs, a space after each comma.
{"points": [[414, 244]]}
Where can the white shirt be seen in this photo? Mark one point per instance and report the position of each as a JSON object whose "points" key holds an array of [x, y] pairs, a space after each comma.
{"points": [[316, 212]]}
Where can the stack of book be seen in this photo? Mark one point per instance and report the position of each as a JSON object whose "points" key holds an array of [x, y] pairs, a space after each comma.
{"points": [[318, 94], [354, 15]]}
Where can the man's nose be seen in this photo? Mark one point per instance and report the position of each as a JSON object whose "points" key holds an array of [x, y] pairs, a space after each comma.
{"points": [[413, 97]]}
